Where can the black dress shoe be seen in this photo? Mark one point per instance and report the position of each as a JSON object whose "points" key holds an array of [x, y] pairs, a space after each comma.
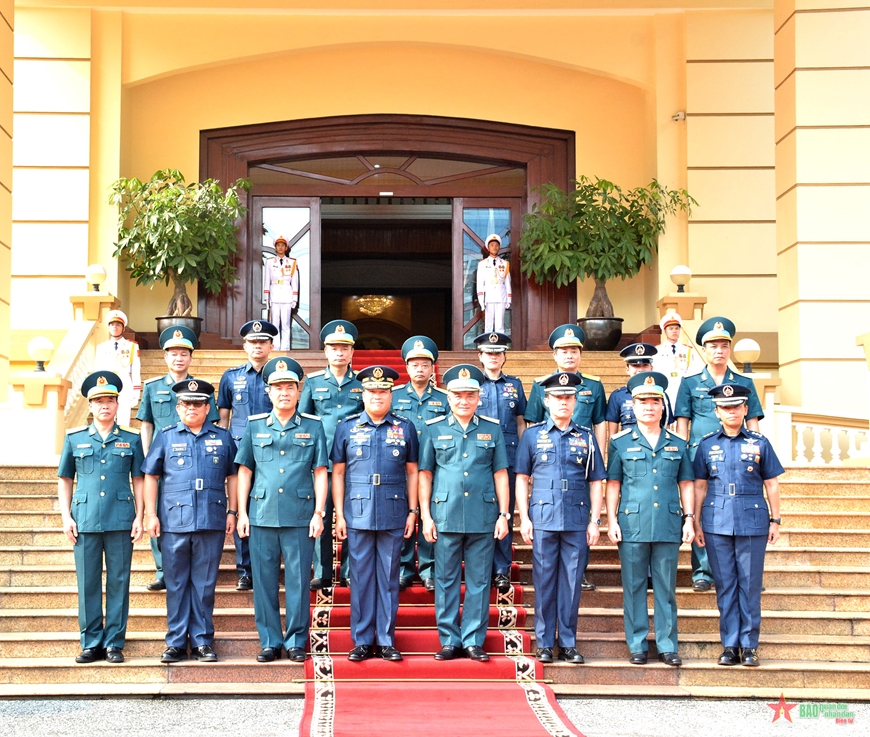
{"points": [[587, 585], [670, 659], [429, 584], [296, 655], [474, 652], [204, 654], [701, 585], [405, 583], [320, 583], [173, 655], [388, 652], [749, 657], [360, 653], [114, 655], [544, 655], [449, 652], [244, 584], [501, 582], [638, 658], [268, 654], [729, 656], [345, 582], [570, 655], [158, 584], [90, 655]]}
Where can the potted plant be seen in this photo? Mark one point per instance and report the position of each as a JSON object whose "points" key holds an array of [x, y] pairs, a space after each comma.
{"points": [[600, 232], [169, 230]]}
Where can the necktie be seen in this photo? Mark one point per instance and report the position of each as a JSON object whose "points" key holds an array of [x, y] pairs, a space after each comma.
{"points": [[674, 349], [282, 261], [116, 346]]}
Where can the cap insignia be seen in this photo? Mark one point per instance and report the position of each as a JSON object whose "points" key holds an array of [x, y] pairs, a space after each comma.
{"points": [[257, 327], [378, 372], [418, 344], [563, 379], [569, 333], [464, 374], [192, 386], [649, 380], [728, 390], [177, 334], [719, 326], [281, 366], [493, 338], [102, 381], [339, 328], [639, 349]]}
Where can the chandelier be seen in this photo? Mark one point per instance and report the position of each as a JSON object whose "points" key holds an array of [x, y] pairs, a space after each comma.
{"points": [[373, 304]]}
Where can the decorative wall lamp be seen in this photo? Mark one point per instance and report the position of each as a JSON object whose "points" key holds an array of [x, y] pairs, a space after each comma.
{"points": [[40, 349], [95, 276], [746, 351], [680, 276]]}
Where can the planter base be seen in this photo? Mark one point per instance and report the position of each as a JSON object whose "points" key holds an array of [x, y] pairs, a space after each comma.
{"points": [[602, 333], [194, 323]]}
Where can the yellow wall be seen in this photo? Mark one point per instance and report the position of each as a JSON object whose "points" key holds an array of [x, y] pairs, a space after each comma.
{"points": [[7, 20]]}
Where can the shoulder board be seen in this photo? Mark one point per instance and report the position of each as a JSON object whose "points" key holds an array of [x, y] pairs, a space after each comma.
{"points": [[533, 424], [133, 430], [490, 419], [354, 416], [168, 428], [396, 387], [315, 374], [258, 417], [590, 376], [541, 378], [756, 434], [151, 381], [311, 417], [620, 434], [439, 389], [589, 430], [76, 429], [696, 373], [436, 419], [240, 366], [709, 434]]}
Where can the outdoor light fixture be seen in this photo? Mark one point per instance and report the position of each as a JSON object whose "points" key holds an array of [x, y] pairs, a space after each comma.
{"points": [[95, 276], [746, 351], [40, 349], [680, 276], [373, 304]]}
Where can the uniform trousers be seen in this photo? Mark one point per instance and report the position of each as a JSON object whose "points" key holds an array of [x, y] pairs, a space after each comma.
{"points": [[324, 557], [374, 585], [557, 572], [88, 552], [155, 541], [191, 562], [701, 570], [282, 318], [268, 545], [419, 547], [637, 560], [125, 406], [738, 566], [504, 550], [476, 549], [493, 317]]}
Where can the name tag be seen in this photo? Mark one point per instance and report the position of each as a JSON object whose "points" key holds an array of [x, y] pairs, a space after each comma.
{"points": [[212, 443], [163, 392], [263, 435], [83, 445], [633, 450], [585, 393], [436, 404], [322, 389], [484, 436], [303, 435], [122, 445], [440, 437], [179, 446], [672, 448]]}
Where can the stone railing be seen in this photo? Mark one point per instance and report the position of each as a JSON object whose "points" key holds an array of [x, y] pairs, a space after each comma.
{"points": [[74, 360], [803, 438]]}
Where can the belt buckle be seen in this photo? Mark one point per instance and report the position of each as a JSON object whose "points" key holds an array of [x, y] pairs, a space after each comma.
{"points": [[732, 489], [564, 484], [199, 485], [376, 479]]}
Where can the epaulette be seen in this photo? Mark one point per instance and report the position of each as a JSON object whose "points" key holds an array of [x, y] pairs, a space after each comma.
{"points": [[439, 389], [436, 419], [133, 430], [591, 376], [696, 373], [314, 374], [76, 429], [588, 429], [396, 387], [151, 381], [756, 433], [541, 378], [168, 428], [311, 417], [484, 417], [353, 416], [533, 424], [258, 417], [709, 434], [621, 433]]}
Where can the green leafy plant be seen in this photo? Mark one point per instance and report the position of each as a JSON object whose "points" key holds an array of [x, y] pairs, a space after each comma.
{"points": [[169, 230], [596, 231]]}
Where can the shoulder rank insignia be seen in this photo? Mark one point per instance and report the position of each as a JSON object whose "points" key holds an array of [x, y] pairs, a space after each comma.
{"points": [[488, 419], [151, 381], [591, 376], [258, 417], [315, 374], [76, 429], [436, 419], [396, 387], [620, 434], [133, 430], [311, 417]]}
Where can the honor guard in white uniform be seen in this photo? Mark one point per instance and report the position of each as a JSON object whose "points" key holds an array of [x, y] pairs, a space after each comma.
{"points": [[673, 358], [281, 291], [122, 357], [494, 286]]}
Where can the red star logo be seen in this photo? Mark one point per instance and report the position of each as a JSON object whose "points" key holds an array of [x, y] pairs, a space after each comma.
{"points": [[782, 709]]}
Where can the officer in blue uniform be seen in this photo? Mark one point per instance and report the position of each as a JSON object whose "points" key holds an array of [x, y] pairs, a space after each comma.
{"points": [[733, 467], [374, 488], [282, 471], [103, 517], [157, 408], [332, 395], [464, 508], [242, 393], [638, 357], [197, 510], [502, 398], [649, 513], [419, 401], [695, 406], [560, 514]]}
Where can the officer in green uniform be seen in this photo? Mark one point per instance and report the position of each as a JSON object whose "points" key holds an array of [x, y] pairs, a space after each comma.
{"points": [[419, 401], [283, 455], [650, 498], [157, 408], [695, 406], [464, 508], [103, 517], [332, 395]]}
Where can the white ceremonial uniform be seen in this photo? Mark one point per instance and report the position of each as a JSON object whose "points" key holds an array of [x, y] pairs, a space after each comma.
{"points": [[281, 292], [494, 291], [122, 357], [675, 361]]}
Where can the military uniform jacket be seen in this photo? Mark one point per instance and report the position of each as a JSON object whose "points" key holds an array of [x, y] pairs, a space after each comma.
{"points": [[735, 469], [694, 402], [323, 396], [463, 463], [123, 360], [375, 483], [493, 280], [281, 280], [649, 502], [620, 409], [194, 470], [590, 407], [419, 410], [158, 403], [103, 499], [504, 399], [243, 391], [282, 459], [560, 464]]}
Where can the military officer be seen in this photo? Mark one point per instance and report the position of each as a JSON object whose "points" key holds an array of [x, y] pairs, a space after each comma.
{"points": [[332, 395], [494, 285], [418, 401], [673, 358], [464, 508], [282, 470], [281, 291], [638, 357], [374, 489], [502, 398], [559, 515], [121, 356], [695, 406], [243, 393], [157, 408], [103, 517], [649, 512], [733, 467], [197, 509]]}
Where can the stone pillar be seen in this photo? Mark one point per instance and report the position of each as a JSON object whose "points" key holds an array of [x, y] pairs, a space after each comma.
{"points": [[7, 12], [821, 76]]}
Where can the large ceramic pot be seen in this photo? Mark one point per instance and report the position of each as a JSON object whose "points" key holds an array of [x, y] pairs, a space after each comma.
{"points": [[194, 323], [602, 333]]}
